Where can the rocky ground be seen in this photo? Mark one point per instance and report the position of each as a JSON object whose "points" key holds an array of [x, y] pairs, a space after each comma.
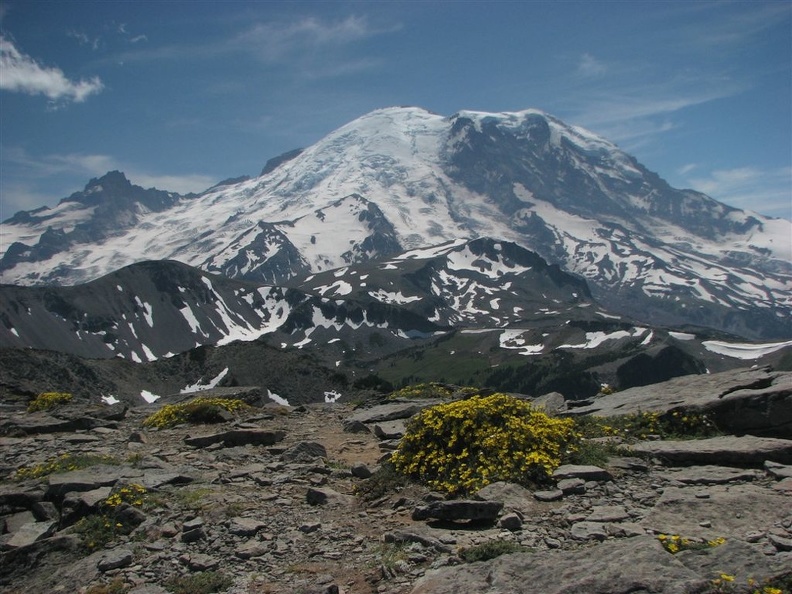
{"points": [[272, 499]]}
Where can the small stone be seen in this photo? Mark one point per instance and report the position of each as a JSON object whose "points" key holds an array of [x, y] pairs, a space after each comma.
{"points": [[552, 495], [115, 559], [588, 531], [607, 513], [581, 471], [309, 528], [779, 542], [245, 526], [511, 522], [572, 486], [361, 471], [252, 548]]}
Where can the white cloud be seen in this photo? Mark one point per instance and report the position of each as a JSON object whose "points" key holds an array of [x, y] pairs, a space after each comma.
{"points": [[21, 73], [591, 66], [768, 191]]}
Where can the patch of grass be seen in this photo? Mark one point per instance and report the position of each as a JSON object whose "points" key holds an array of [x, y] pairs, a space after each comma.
{"points": [[198, 410], [592, 453], [490, 550], [203, 582], [427, 390], [63, 463], [117, 586], [48, 400]]}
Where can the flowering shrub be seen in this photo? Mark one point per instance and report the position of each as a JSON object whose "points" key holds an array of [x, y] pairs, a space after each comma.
{"points": [[63, 463], [641, 425], [48, 400], [674, 543], [464, 445], [428, 390], [99, 529], [198, 410]]}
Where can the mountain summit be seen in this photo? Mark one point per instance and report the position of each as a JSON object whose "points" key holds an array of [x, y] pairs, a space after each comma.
{"points": [[403, 178]]}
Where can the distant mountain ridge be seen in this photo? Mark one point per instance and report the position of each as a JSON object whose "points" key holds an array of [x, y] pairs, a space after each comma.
{"points": [[398, 179]]}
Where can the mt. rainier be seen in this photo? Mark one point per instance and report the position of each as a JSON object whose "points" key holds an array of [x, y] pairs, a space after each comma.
{"points": [[403, 178]]}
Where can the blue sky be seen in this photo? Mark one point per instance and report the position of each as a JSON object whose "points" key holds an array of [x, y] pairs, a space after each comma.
{"points": [[182, 95]]}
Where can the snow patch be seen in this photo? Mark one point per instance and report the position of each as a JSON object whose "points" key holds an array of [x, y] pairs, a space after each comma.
{"points": [[744, 351], [110, 400], [148, 396], [277, 399], [332, 396], [199, 387]]}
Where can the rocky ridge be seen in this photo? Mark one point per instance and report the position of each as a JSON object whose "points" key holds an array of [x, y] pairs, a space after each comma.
{"points": [[273, 500]]}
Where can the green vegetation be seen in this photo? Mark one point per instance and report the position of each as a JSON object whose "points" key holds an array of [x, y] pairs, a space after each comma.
{"points": [[490, 550], [203, 582], [386, 479], [97, 530], [63, 463], [462, 446], [48, 400], [670, 425], [198, 410]]}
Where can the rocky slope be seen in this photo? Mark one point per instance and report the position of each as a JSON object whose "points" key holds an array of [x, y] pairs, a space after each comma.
{"points": [[273, 501]]}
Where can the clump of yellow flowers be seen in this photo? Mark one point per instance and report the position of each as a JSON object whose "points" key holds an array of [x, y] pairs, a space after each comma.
{"points": [[462, 446], [48, 400], [197, 410]]}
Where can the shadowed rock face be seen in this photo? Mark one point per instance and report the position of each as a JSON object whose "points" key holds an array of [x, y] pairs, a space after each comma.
{"points": [[754, 401]]}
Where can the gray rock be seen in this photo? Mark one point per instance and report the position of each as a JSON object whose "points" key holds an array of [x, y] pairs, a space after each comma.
{"points": [[115, 559], [361, 471], [588, 531], [392, 411], [390, 429], [246, 526], [327, 496], [513, 496], [783, 486], [600, 569], [607, 513], [551, 403], [779, 542], [305, 452], [459, 509], [779, 471], [511, 522], [732, 511], [30, 533], [548, 496], [709, 475], [14, 522], [755, 401], [404, 536], [237, 437], [200, 562], [77, 505], [572, 486], [585, 472], [747, 450], [252, 548], [89, 479], [353, 426]]}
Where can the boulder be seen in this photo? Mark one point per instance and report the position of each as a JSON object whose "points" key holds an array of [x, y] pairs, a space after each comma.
{"points": [[747, 450], [598, 569], [754, 401], [459, 509], [237, 437]]}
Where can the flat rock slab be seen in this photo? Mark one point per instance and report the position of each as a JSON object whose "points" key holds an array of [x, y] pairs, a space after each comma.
{"points": [[608, 513], [237, 437], [747, 450], [514, 497], [392, 411], [710, 475], [390, 429], [729, 511], [756, 401], [89, 479], [581, 471], [600, 569]]}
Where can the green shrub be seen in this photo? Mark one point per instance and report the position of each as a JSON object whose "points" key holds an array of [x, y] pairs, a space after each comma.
{"points": [[203, 582], [198, 410], [490, 550], [462, 446], [384, 481], [48, 400]]}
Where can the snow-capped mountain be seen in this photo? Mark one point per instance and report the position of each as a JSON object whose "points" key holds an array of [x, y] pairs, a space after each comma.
{"points": [[398, 179]]}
